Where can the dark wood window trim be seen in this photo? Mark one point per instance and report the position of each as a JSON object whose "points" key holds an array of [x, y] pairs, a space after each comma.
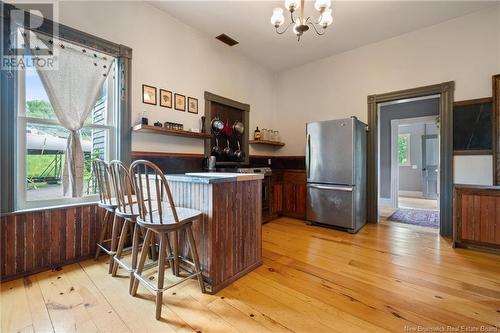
{"points": [[8, 94], [445, 90]]}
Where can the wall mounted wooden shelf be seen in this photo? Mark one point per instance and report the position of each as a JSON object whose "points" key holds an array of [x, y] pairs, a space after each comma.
{"points": [[266, 142], [165, 131]]}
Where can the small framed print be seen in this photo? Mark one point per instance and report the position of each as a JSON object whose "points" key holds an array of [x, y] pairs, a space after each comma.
{"points": [[192, 105], [148, 94], [180, 102], [165, 98]]}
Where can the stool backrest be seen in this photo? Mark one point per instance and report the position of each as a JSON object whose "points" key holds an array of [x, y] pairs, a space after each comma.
{"points": [[152, 190], [123, 187], [100, 169]]}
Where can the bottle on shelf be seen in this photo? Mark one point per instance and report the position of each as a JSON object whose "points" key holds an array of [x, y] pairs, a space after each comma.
{"points": [[257, 134]]}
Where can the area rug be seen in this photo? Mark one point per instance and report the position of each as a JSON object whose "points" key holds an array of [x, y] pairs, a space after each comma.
{"points": [[423, 218]]}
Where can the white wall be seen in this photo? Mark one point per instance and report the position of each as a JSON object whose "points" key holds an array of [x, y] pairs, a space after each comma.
{"points": [[465, 50], [170, 55]]}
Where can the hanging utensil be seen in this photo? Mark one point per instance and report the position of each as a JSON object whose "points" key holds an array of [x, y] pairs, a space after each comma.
{"points": [[228, 151], [217, 125], [238, 128], [239, 154], [216, 151], [228, 130]]}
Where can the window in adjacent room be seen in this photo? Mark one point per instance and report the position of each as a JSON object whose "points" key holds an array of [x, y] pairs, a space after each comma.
{"points": [[404, 149]]}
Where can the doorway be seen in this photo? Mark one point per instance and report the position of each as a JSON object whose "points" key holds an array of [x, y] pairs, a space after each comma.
{"points": [[413, 178], [445, 179]]}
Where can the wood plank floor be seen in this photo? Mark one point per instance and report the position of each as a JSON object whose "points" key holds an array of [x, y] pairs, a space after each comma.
{"points": [[387, 278]]}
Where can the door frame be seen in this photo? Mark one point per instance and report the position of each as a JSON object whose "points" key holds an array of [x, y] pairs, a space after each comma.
{"points": [[446, 92], [395, 123]]}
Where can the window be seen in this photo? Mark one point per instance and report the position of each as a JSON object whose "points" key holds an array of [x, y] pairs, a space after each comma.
{"points": [[404, 149], [41, 142]]}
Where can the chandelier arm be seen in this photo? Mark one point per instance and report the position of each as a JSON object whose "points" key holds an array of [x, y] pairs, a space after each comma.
{"points": [[291, 17], [282, 32], [316, 29]]}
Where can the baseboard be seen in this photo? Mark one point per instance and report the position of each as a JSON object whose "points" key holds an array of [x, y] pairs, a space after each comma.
{"points": [[411, 194]]}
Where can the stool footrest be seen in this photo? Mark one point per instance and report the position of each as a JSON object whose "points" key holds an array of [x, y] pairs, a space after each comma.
{"points": [[123, 264], [155, 289]]}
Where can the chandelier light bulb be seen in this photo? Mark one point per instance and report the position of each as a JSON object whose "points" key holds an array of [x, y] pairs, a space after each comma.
{"points": [[292, 5], [326, 18], [296, 28], [322, 5], [277, 19]]}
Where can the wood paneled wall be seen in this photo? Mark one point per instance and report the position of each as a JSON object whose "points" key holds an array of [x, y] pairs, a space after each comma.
{"points": [[228, 237], [46, 239], [477, 216]]}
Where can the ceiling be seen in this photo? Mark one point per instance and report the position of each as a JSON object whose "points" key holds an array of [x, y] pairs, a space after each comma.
{"points": [[356, 23]]}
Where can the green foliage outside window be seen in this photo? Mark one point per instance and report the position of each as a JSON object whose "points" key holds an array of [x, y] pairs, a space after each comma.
{"points": [[404, 149]]}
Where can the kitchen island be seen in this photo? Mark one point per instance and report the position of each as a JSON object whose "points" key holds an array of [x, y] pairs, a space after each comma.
{"points": [[228, 237]]}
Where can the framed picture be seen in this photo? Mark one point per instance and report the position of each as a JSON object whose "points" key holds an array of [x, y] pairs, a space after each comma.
{"points": [[180, 102], [148, 94], [165, 98], [192, 105]]}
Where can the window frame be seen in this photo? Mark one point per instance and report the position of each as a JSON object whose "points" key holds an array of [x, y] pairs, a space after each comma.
{"points": [[9, 99], [21, 151], [408, 151]]}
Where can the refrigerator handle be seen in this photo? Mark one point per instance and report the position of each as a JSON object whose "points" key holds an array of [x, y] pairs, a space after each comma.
{"points": [[308, 157], [333, 188]]}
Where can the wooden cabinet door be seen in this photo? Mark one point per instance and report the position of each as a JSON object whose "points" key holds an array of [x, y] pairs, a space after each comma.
{"points": [[277, 199], [294, 194]]}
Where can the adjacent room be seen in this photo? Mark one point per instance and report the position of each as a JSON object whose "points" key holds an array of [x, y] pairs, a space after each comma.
{"points": [[249, 166], [409, 161]]}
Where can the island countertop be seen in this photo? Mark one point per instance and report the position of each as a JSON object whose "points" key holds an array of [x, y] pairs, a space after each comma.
{"points": [[213, 177]]}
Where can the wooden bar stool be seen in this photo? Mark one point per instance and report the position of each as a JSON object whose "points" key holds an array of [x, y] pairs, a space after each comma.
{"points": [[127, 209], [108, 202], [167, 220]]}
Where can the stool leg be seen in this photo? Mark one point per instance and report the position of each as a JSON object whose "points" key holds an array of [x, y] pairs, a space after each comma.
{"points": [[161, 274], [114, 235], [169, 254], [176, 253], [121, 245], [154, 255], [135, 253], [102, 233], [142, 260], [196, 260]]}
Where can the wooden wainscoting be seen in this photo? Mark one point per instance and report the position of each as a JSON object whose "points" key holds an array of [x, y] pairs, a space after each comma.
{"points": [[47, 239]]}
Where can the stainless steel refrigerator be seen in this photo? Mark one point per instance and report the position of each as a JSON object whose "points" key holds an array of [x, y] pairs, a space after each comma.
{"points": [[336, 173]]}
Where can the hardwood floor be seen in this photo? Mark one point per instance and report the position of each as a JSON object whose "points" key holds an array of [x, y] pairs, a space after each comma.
{"points": [[386, 278]]}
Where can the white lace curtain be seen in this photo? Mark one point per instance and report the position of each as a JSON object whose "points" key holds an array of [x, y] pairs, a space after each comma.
{"points": [[72, 85]]}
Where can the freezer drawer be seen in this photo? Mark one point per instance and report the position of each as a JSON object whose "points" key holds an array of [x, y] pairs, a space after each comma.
{"points": [[331, 204]]}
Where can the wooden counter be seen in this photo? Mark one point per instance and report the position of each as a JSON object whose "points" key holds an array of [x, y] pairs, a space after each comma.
{"points": [[476, 218], [228, 238]]}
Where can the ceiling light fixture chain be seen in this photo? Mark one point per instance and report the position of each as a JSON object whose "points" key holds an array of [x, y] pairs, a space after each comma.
{"points": [[300, 23]]}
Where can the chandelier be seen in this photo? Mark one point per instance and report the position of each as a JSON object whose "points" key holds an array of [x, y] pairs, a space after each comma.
{"points": [[301, 24]]}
